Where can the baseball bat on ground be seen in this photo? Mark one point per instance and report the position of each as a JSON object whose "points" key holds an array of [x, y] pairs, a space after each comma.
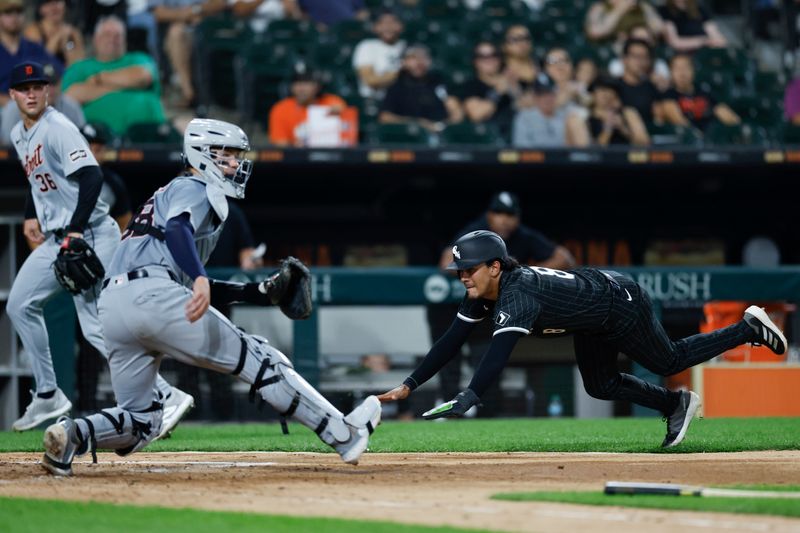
{"points": [[672, 489]]}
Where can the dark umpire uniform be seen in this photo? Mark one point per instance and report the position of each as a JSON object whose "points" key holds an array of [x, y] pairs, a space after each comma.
{"points": [[606, 312]]}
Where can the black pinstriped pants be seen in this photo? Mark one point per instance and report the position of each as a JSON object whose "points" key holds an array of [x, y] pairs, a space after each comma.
{"points": [[634, 330]]}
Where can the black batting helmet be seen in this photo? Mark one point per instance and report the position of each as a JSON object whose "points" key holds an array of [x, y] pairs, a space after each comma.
{"points": [[477, 247]]}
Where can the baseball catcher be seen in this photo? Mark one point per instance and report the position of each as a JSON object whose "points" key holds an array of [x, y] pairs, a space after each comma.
{"points": [[289, 288], [77, 267]]}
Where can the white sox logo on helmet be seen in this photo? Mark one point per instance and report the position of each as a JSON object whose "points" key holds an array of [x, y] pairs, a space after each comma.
{"points": [[456, 253]]}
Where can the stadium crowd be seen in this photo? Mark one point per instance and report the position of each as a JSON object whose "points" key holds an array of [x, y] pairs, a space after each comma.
{"points": [[523, 73]]}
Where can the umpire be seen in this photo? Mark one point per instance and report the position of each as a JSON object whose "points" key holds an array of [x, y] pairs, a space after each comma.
{"points": [[606, 312]]}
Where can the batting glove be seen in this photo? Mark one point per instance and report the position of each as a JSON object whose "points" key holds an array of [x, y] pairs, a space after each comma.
{"points": [[455, 407]]}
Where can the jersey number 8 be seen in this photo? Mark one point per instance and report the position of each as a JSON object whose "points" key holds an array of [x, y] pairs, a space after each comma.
{"points": [[552, 272]]}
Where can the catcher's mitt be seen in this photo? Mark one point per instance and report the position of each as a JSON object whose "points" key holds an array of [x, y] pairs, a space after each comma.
{"points": [[77, 267], [290, 288]]}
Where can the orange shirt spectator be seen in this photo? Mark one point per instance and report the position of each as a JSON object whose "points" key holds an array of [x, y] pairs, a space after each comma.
{"points": [[288, 117]]}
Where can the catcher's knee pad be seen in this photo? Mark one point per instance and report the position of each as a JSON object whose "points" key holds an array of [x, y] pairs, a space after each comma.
{"points": [[291, 395], [123, 431]]}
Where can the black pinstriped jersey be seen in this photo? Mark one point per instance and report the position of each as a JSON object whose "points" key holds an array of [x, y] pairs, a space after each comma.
{"points": [[544, 302]]}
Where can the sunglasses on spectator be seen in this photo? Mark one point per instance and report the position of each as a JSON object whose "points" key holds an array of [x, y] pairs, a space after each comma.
{"points": [[486, 55], [12, 11], [518, 38]]}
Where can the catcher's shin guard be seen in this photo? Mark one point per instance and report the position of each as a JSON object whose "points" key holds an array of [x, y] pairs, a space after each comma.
{"points": [[123, 431], [291, 395]]}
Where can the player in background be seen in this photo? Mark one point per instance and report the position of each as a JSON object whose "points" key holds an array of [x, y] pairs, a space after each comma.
{"points": [[62, 210], [606, 312], [156, 302]]}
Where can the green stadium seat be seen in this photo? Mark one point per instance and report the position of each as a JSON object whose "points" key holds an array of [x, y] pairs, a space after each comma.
{"points": [[789, 133], [299, 34], [350, 32], [733, 61], [483, 30], [217, 41], [718, 134], [152, 133], [672, 135], [761, 110], [718, 83], [402, 134], [470, 133], [442, 9], [503, 10], [263, 79]]}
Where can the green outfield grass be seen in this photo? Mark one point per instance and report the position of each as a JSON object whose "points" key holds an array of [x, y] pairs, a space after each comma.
{"points": [[35, 516], [507, 435], [788, 507]]}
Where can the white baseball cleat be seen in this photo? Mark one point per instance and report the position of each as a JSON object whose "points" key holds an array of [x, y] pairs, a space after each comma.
{"points": [[768, 333], [41, 410], [176, 405], [362, 422]]}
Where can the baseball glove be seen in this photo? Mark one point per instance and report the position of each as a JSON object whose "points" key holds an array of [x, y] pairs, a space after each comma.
{"points": [[77, 267], [290, 288]]}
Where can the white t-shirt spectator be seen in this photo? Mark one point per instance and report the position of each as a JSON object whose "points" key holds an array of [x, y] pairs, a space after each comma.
{"points": [[381, 57]]}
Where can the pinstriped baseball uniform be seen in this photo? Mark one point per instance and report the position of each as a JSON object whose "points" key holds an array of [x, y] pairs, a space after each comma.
{"points": [[51, 150], [608, 313]]}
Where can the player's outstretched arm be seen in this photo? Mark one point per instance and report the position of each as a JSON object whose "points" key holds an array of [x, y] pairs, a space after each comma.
{"points": [[397, 393], [178, 235]]}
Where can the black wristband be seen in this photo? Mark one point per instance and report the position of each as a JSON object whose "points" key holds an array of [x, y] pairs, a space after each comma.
{"points": [[410, 383]]}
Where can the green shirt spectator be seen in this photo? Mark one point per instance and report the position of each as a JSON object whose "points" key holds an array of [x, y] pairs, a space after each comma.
{"points": [[114, 86]]}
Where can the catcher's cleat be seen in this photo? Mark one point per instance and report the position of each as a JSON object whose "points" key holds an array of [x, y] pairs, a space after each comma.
{"points": [[176, 405], [62, 442], [678, 422], [767, 332], [41, 410], [362, 421]]}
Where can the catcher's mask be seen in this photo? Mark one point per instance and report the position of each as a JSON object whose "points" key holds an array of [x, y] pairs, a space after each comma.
{"points": [[205, 145]]}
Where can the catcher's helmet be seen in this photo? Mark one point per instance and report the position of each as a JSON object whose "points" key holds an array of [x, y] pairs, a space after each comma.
{"points": [[477, 247], [201, 135]]}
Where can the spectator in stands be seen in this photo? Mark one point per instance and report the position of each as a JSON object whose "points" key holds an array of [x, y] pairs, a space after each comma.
{"points": [[71, 109], [115, 87], [377, 61], [261, 13], [610, 122], [419, 96], [558, 65], [585, 73], [791, 102], [51, 30], [529, 247], [489, 96], [639, 92], [547, 124], [181, 17], [287, 118], [687, 27], [327, 13], [698, 106], [142, 27], [521, 67], [612, 20], [658, 70], [14, 48]]}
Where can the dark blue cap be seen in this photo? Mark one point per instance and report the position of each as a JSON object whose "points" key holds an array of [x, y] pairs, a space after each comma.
{"points": [[27, 72]]}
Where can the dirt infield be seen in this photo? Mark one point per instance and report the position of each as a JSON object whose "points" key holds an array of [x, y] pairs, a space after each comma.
{"points": [[435, 489]]}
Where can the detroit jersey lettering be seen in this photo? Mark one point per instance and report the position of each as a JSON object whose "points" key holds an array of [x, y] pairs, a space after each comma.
{"points": [[544, 302], [49, 152]]}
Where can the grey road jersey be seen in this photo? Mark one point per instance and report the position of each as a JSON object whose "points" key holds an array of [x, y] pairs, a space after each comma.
{"points": [[207, 207], [49, 151]]}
